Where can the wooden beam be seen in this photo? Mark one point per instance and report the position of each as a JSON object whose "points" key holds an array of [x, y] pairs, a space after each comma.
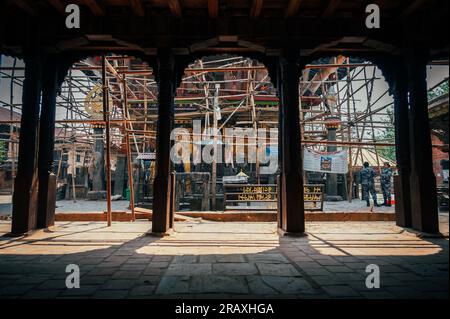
{"points": [[412, 7], [256, 9], [175, 8], [95, 8], [26, 7], [137, 7], [213, 9], [58, 5], [292, 7], [331, 8]]}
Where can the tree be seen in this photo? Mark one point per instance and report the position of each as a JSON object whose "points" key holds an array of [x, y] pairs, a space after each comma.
{"points": [[3, 152], [441, 89]]}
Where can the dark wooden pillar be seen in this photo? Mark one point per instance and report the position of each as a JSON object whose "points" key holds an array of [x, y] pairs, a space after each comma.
{"points": [[162, 184], [424, 207], [26, 184], [401, 112], [291, 179], [47, 180], [273, 66]]}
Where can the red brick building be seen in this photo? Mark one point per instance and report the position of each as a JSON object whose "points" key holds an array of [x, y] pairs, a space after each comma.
{"points": [[438, 112]]}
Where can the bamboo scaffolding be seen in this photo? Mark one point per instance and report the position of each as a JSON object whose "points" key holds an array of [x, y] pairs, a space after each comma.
{"points": [[131, 117], [106, 114]]}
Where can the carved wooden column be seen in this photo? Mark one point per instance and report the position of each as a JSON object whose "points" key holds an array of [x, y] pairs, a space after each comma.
{"points": [[273, 66], [424, 207], [26, 184], [399, 88], [47, 180], [291, 179], [166, 99]]}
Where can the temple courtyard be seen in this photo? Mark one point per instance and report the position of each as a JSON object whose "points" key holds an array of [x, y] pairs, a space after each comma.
{"points": [[225, 260], [86, 206]]}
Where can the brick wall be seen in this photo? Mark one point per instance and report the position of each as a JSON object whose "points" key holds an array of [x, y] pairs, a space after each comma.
{"points": [[438, 156]]}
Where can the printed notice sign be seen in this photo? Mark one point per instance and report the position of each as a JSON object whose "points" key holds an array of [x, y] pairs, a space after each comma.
{"points": [[336, 162]]}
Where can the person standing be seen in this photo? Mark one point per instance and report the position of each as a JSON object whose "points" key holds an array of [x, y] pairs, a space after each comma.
{"points": [[386, 178], [367, 178]]}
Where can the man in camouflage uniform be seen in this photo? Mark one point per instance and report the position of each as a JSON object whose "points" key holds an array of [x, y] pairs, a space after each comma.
{"points": [[386, 177], [367, 178]]}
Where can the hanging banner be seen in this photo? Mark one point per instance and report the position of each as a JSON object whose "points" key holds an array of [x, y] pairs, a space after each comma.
{"points": [[336, 162]]}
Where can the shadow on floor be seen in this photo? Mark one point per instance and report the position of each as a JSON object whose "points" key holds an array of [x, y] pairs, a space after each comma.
{"points": [[224, 260]]}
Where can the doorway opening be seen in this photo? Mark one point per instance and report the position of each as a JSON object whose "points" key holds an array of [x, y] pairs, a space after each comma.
{"points": [[226, 140]]}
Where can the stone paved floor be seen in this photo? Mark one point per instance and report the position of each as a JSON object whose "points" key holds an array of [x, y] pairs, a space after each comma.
{"points": [[83, 206], [356, 205], [223, 260], [69, 206]]}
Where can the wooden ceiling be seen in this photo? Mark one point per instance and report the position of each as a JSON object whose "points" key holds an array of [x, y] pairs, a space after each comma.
{"points": [[190, 26], [254, 9]]}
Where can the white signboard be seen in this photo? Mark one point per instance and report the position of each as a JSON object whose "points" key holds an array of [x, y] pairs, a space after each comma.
{"points": [[147, 156], [336, 162]]}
